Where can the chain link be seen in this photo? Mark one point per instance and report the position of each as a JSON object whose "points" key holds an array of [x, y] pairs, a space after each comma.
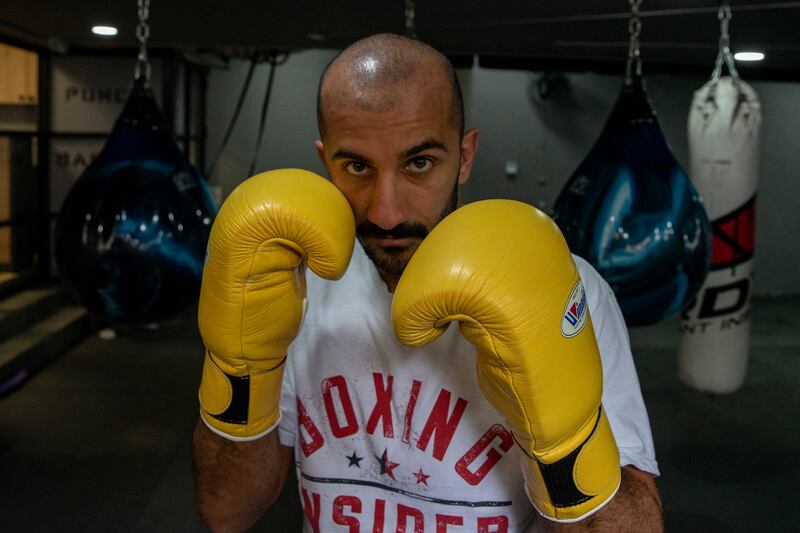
{"points": [[724, 56], [411, 15], [143, 34], [634, 54], [724, 15]]}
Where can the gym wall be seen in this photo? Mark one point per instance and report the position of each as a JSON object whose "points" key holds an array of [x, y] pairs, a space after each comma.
{"points": [[544, 138]]}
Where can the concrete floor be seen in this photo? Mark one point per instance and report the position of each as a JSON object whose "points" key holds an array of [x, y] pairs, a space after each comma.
{"points": [[100, 441]]}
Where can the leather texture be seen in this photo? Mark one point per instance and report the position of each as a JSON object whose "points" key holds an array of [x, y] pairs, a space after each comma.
{"points": [[253, 290], [502, 270]]}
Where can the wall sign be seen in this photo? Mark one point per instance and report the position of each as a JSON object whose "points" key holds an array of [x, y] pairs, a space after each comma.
{"points": [[89, 92]]}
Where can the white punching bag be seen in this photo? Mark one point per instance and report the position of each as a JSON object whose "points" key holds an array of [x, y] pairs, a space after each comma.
{"points": [[724, 127]]}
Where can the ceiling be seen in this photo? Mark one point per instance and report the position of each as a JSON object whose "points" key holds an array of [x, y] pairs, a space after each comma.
{"points": [[565, 35]]}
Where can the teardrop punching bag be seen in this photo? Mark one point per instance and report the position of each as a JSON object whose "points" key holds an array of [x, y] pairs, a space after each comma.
{"points": [[131, 236], [631, 211], [724, 127]]}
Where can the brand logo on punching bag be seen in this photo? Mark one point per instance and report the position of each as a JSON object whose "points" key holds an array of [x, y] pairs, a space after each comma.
{"points": [[575, 313], [734, 236]]}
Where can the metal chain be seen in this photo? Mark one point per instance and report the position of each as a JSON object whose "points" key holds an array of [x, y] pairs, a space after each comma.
{"points": [[411, 15], [724, 55], [634, 55], [142, 34], [724, 15]]}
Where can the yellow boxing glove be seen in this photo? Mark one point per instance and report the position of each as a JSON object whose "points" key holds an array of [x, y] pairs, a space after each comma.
{"points": [[503, 270], [253, 291]]}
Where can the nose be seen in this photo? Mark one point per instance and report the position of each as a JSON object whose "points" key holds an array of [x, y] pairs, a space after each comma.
{"points": [[387, 202]]}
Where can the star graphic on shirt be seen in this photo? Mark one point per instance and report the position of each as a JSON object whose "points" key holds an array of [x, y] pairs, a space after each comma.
{"points": [[354, 459], [422, 477], [387, 466]]}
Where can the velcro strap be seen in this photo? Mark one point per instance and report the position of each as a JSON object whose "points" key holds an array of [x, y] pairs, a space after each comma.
{"points": [[581, 482], [240, 407]]}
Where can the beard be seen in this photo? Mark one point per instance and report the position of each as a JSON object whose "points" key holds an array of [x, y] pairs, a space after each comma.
{"points": [[392, 260]]}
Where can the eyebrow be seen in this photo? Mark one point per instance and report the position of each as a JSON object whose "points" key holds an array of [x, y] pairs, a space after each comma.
{"points": [[424, 145], [427, 144], [347, 154]]}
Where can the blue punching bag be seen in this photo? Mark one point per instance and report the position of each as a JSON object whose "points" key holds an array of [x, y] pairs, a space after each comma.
{"points": [[131, 236], [631, 211]]}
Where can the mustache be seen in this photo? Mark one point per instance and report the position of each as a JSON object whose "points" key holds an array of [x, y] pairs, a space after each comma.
{"points": [[400, 231]]}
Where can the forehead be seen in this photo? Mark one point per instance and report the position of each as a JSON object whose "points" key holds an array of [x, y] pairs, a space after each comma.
{"points": [[403, 112], [391, 132]]}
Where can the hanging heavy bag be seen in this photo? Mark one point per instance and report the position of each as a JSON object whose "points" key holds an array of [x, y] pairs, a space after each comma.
{"points": [[631, 211], [131, 235], [724, 127]]}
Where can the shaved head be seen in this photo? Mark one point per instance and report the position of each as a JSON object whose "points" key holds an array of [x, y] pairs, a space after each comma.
{"points": [[376, 72]]}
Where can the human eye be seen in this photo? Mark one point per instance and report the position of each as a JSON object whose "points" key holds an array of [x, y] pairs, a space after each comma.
{"points": [[420, 165], [356, 168]]}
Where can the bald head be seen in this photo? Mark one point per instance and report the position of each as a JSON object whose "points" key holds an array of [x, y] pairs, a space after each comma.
{"points": [[376, 72]]}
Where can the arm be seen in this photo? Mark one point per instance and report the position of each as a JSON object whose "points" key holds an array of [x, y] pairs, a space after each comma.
{"points": [[236, 482], [636, 507]]}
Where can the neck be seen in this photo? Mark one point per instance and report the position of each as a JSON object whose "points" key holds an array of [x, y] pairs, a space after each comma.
{"points": [[390, 281]]}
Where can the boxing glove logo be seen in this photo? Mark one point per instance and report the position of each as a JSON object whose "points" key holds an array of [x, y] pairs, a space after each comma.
{"points": [[575, 313]]}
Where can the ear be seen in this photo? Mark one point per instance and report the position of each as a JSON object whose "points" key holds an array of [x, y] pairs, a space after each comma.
{"points": [[320, 151], [469, 144]]}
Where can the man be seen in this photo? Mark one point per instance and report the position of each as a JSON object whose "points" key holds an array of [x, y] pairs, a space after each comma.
{"points": [[386, 437]]}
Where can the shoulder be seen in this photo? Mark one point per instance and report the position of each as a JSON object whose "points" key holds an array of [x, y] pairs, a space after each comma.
{"points": [[607, 320], [598, 293], [588, 274]]}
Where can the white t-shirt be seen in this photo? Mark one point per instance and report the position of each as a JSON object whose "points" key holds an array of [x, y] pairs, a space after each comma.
{"points": [[391, 439]]}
